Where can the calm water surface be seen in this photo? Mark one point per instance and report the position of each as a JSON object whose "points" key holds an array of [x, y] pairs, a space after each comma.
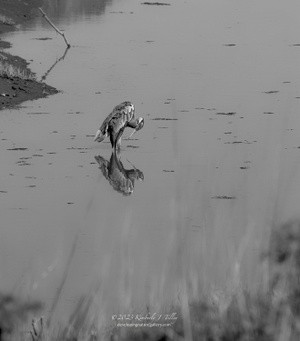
{"points": [[218, 158]]}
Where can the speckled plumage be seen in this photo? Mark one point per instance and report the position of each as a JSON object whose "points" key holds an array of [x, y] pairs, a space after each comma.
{"points": [[121, 117]]}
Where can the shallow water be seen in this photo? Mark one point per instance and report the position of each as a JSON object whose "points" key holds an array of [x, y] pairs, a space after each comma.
{"points": [[218, 85]]}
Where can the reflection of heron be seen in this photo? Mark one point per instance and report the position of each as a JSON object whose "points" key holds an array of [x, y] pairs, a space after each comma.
{"points": [[121, 117], [121, 179]]}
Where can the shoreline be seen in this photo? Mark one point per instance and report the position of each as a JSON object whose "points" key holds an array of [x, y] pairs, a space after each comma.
{"points": [[17, 81]]}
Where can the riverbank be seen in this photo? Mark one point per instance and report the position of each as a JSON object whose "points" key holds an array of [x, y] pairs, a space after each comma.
{"points": [[17, 83]]}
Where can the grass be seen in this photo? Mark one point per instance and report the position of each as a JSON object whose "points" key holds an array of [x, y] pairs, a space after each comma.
{"points": [[15, 312], [6, 20], [272, 313], [8, 70]]}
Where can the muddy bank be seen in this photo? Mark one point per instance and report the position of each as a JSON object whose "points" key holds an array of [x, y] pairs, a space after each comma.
{"points": [[17, 82]]}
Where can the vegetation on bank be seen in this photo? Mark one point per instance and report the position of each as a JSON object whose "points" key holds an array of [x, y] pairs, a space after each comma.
{"points": [[273, 313], [6, 20], [9, 70], [17, 83]]}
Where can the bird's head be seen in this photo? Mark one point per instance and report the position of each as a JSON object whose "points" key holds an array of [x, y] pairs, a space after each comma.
{"points": [[140, 123]]}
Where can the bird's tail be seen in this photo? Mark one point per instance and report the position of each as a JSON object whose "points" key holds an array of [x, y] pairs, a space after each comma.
{"points": [[99, 136]]}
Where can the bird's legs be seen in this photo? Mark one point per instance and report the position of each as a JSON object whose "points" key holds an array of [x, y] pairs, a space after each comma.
{"points": [[111, 137], [115, 139], [118, 144]]}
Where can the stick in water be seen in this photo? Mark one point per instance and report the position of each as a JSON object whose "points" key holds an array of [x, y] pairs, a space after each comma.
{"points": [[56, 29]]}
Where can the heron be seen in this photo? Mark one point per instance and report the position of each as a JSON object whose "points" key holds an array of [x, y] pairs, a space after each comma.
{"points": [[115, 123]]}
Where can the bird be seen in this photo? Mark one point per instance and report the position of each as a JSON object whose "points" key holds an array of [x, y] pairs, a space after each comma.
{"points": [[115, 123]]}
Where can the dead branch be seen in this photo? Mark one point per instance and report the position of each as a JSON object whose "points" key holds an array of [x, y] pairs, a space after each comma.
{"points": [[56, 29]]}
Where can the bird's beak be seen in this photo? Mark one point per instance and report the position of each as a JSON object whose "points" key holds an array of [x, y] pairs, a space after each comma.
{"points": [[98, 134], [134, 131], [141, 124], [139, 127]]}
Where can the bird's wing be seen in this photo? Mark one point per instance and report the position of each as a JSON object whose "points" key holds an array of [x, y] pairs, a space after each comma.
{"points": [[118, 121], [105, 123], [127, 109], [119, 117]]}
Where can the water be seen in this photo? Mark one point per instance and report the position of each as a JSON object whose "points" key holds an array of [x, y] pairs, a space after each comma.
{"points": [[217, 173]]}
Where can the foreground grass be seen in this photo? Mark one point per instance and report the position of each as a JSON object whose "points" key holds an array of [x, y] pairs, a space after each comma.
{"points": [[273, 313]]}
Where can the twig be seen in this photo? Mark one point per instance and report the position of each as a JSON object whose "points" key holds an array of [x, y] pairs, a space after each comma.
{"points": [[56, 29]]}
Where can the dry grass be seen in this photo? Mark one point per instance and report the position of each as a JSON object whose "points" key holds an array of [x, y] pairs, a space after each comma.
{"points": [[14, 313], [8, 70], [6, 20]]}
